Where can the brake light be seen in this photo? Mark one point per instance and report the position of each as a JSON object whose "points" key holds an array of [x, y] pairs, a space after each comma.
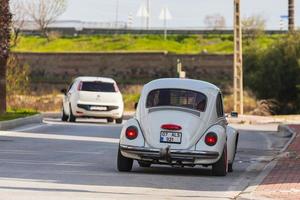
{"points": [[79, 86], [116, 87], [131, 132], [211, 139], [172, 127]]}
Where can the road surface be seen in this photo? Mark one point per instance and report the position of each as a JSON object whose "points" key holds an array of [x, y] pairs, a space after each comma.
{"points": [[56, 160]]}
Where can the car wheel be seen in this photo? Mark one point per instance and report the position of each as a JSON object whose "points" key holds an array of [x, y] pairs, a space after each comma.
{"points": [[119, 121], [124, 164], [144, 164], [64, 117], [72, 118], [110, 120], [220, 168], [230, 165]]}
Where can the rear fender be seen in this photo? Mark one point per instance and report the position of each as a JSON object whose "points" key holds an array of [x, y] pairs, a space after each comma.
{"points": [[220, 131], [139, 141], [232, 141]]}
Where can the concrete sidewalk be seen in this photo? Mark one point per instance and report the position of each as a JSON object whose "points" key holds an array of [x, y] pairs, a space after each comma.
{"points": [[283, 182]]}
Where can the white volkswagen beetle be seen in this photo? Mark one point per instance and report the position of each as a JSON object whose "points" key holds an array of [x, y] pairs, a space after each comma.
{"points": [[179, 122]]}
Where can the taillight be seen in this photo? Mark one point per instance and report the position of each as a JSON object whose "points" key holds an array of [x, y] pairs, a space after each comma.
{"points": [[79, 86], [211, 139], [172, 127], [131, 132], [116, 87]]}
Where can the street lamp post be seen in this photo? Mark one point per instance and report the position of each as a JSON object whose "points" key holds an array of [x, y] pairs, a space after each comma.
{"points": [[238, 61]]}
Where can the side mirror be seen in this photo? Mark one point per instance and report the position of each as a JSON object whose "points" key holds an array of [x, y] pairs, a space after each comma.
{"points": [[135, 106], [234, 114], [64, 91]]}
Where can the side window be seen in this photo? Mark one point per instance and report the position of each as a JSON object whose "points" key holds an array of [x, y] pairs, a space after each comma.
{"points": [[70, 87], [219, 105]]}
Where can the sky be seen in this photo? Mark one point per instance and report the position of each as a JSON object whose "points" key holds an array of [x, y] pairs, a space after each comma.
{"points": [[185, 13]]}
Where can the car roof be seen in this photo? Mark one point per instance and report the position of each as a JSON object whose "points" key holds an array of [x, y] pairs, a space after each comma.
{"points": [[179, 83], [94, 78]]}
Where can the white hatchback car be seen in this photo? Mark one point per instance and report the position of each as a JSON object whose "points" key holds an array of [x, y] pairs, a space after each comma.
{"points": [[179, 122], [95, 97]]}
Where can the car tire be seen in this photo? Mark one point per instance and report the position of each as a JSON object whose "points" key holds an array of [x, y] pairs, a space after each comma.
{"points": [[124, 164], [220, 168], [72, 118], [230, 165], [119, 121], [144, 164], [64, 117], [110, 120]]}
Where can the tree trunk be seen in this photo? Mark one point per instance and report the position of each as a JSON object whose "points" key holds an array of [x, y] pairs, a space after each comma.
{"points": [[5, 20]]}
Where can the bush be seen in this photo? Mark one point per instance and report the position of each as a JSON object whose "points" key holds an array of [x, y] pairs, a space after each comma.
{"points": [[17, 77], [274, 73]]}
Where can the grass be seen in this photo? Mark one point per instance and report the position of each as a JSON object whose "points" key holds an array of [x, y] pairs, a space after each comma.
{"points": [[109, 43], [130, 100], [15, 114]]}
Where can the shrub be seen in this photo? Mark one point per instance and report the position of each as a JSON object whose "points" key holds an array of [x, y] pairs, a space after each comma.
{"points": [[273, 73], [17, 77]]}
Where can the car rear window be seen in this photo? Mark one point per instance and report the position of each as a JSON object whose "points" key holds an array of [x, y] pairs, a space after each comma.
{"points": [[177, 97], [98, 87]]}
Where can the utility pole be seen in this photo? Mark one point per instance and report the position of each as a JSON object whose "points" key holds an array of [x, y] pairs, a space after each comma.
{"points": [[238, 61], [130, 20], [148, 11], [117, 13], [291, 15], [165, 15]]}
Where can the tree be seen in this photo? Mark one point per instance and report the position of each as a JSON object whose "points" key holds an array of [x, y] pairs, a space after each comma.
{"points": [[273, 72], [45, 12], [18, 19], [5, 21], [215, 21], [254, 26]]}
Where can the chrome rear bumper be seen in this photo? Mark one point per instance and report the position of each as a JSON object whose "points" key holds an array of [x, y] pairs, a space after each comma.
{"points": [[168, 154]]}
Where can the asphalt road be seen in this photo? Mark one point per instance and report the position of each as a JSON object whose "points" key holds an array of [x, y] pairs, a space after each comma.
{"points": [[58, 160]]}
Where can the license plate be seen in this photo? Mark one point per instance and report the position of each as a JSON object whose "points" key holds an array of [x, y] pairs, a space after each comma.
{"points": [[170, 137], [98, 108]]}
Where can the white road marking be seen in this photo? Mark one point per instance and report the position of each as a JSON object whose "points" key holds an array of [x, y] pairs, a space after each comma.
{"points": [[51, 190], [81, 123], [21, 152], [29, 128], [59, 137]]}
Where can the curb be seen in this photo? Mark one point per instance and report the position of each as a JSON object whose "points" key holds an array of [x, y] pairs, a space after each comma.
{"points": [[51, 115], [293, 134], [248, 193], [283, 131], [11, 124]]}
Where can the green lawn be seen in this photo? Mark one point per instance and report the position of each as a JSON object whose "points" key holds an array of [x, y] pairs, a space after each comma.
{"points": [[110, 43], [10, 115]]}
